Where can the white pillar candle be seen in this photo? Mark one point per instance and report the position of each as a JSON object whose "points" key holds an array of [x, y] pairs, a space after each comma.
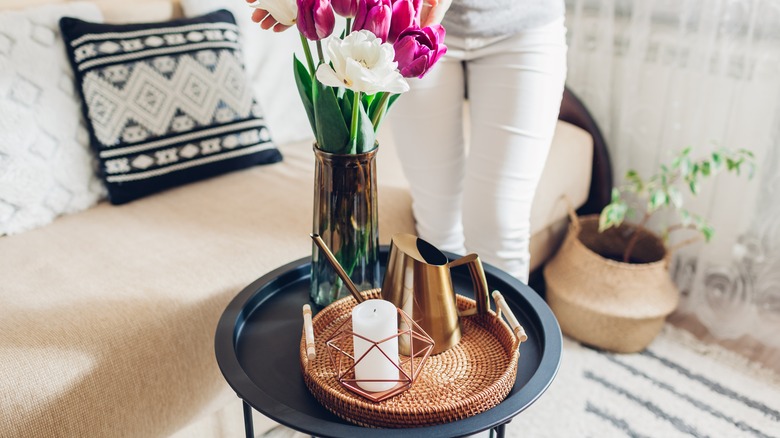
{"points": [[375, 320]]}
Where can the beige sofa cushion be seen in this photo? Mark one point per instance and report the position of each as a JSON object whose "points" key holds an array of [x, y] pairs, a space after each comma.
{"points": [[109, 315]]}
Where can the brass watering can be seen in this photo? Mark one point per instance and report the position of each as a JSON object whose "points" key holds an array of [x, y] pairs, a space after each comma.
{"points": [[418, 281]]}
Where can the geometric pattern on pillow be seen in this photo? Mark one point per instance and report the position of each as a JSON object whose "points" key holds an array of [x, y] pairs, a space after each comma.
{"points": [[166, 103], [264, 53]]}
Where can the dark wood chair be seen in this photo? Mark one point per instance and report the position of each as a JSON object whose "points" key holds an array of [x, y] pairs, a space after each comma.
{"points": [[574, 111]]}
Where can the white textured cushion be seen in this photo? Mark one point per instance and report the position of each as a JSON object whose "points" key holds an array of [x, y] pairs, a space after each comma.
{"points": [[137, 11], [113, 10], [269, 64], [46, 168]]}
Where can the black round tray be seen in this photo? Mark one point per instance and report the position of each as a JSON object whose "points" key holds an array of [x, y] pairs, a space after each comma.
{"points": [[257, 349]]}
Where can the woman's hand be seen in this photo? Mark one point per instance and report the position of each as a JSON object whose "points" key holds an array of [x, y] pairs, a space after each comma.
{"points": [[266, 20], [433, 11]]}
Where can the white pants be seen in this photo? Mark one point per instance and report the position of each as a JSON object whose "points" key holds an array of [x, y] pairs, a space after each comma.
{"points": [[481, 202]]}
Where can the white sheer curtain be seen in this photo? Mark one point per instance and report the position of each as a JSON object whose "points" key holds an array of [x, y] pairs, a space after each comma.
{"points": [[660, 75]]}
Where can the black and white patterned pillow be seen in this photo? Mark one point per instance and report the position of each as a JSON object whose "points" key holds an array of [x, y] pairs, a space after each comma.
{"points": [[166, 103]]}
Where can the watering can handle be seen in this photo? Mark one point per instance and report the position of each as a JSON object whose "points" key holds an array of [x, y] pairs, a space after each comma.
{"points": [[478, 280]]}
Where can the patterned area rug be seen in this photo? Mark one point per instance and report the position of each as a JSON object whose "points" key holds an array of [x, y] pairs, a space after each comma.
{"points": [[678, 387]]}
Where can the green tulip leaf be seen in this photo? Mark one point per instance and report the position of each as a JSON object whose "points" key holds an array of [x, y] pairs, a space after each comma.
{"points": [[303, 81], [369, 98], [332, 133], [366, 138], [392, 100], [372, 107], [345, 101]]}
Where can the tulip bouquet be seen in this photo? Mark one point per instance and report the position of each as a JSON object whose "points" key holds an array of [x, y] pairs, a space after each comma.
{"points": [[359, 71], [347, 93]]}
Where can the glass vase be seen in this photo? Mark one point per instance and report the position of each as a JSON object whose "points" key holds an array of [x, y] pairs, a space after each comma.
{"points": [[346, 217]]}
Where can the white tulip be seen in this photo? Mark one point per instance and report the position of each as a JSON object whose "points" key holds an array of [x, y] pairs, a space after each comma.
{"points": [[361, 62], [283, 11]]}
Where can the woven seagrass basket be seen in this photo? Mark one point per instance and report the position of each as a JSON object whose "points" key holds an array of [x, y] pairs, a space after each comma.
{"points": [[607, 303], [471, 377]]}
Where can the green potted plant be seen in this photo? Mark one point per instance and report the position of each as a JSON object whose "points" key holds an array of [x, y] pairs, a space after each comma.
{"points": [[609, 284]]}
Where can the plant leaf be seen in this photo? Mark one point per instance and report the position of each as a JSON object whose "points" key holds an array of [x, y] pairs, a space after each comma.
{"points": [[366, 138], [657, 199], [372, 108], [717, 160], [685, 166], [345, 101], [612, 215], [694, 186], [675, 197], [705, 229], [635, 181], [303, 82], [685, 217], [694, 171], [606, 218], [332, 132], [705, 168], [391, 100], [615, 195], [368, 99]]}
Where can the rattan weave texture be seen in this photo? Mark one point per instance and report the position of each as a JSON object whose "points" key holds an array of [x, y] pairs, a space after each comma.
{"points": [[472, 377]]}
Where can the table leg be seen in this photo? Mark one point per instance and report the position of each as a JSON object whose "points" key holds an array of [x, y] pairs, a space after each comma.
{"points": [[500, 431], [248, 425]]}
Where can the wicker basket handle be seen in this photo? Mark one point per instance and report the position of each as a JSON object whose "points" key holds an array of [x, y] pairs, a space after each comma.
{"points": [[575, 220], [502, 306], [308, 330]]}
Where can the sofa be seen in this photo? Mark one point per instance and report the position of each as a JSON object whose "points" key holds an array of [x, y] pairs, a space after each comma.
{"points": [[108, 315]]}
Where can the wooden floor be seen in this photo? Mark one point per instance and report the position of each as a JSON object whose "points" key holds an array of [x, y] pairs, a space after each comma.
{"points": [[746, 346]]}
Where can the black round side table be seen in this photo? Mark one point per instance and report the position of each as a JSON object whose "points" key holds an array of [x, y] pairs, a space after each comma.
{"points": [[257, 349]]}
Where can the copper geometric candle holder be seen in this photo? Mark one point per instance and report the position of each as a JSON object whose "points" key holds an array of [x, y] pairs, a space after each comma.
{"points": [[341, 353]]}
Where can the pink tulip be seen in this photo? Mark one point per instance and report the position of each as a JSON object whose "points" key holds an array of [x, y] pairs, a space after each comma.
{"points": [[417, 50], [374, 16], [346, 8], [406, 13], [316, 19]]}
